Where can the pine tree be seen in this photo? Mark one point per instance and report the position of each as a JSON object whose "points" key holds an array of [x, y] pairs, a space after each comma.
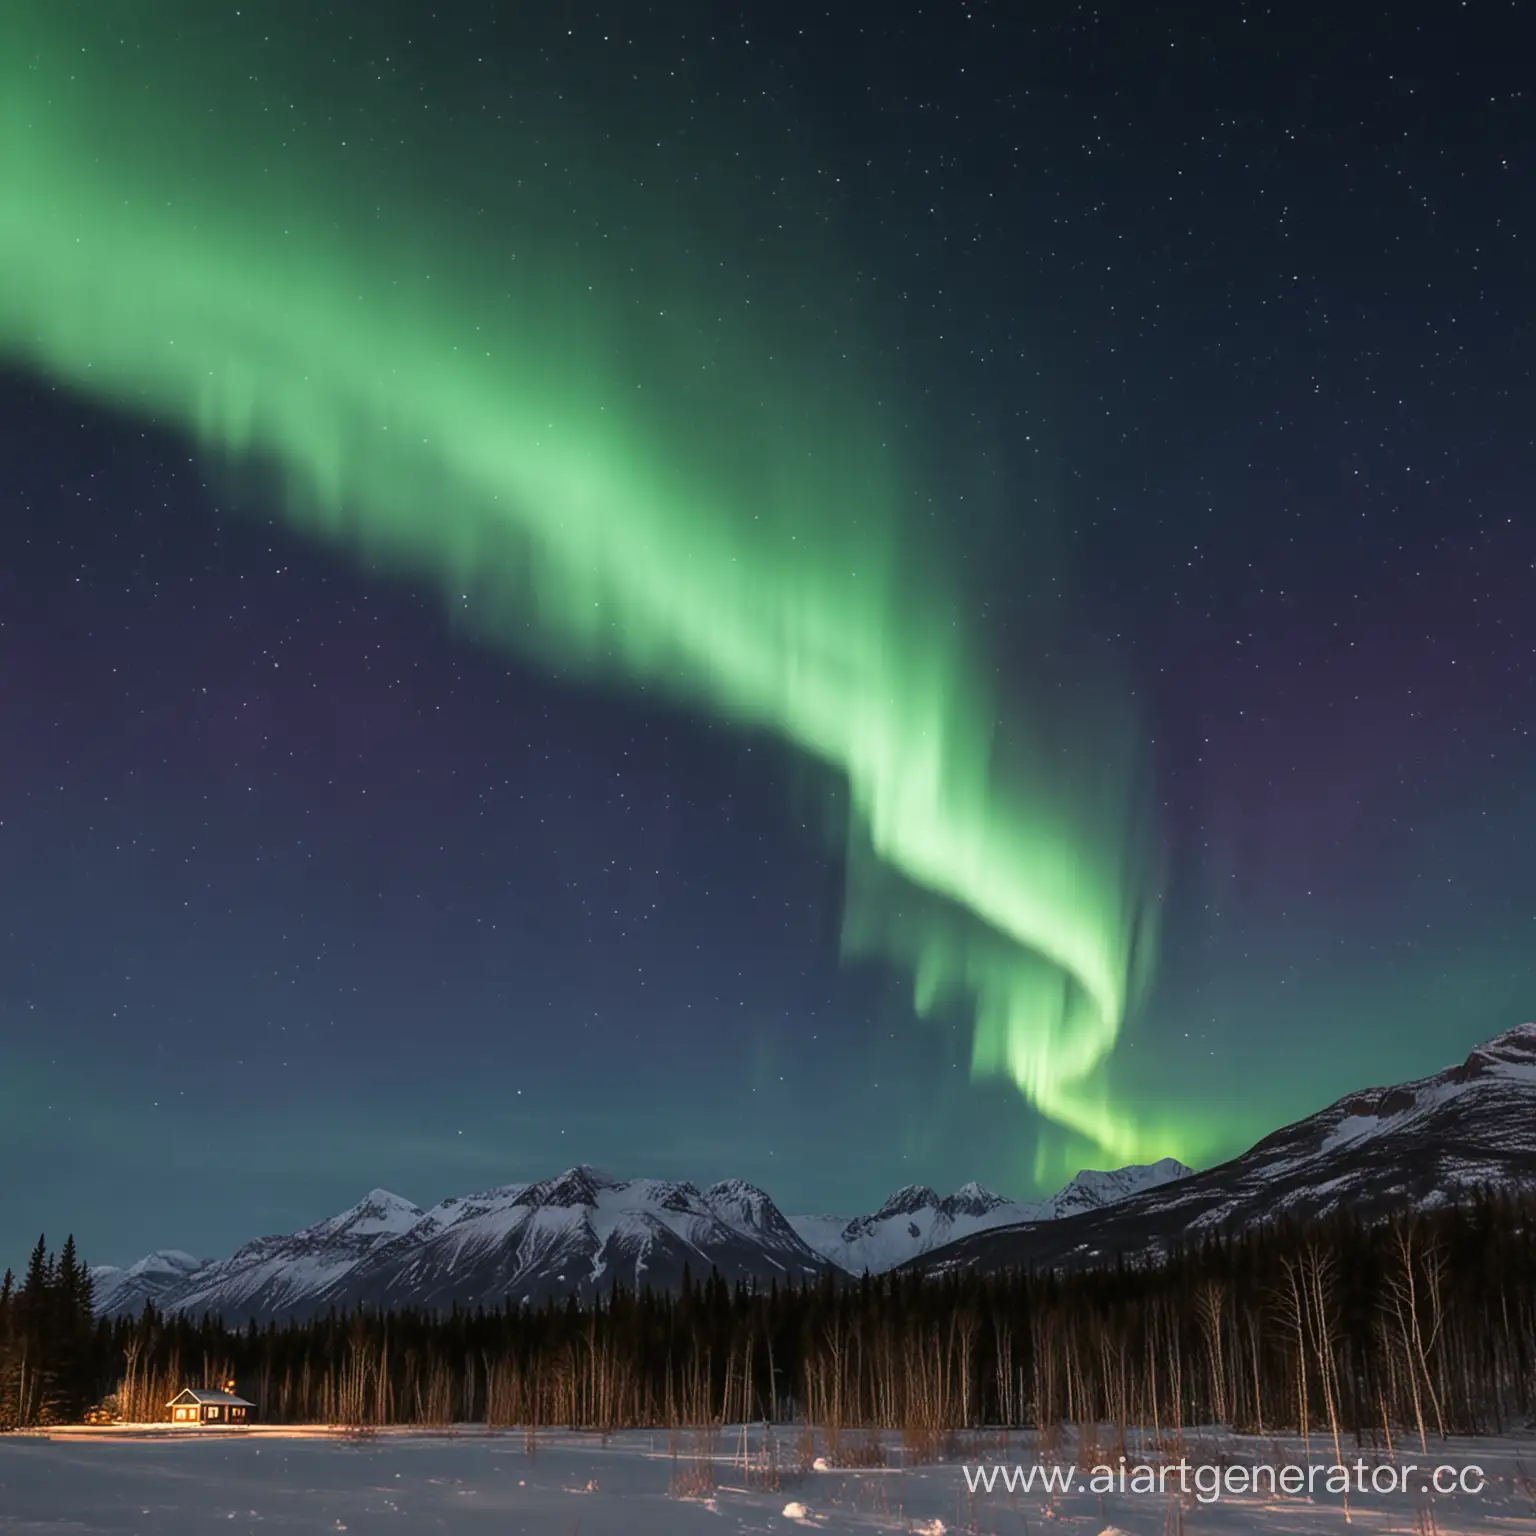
{"points": [[73, 1327], [35, 1393], [9, 1418]]}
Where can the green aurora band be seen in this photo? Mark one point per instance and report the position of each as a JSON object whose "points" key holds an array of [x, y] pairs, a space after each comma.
{"points": [[625, 477]]}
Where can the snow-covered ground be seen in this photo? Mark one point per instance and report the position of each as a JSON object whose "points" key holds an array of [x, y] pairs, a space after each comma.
{"points": [[644, 1484]]}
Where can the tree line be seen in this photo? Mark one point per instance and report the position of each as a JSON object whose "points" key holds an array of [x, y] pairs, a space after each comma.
{"points": [[1422, 1326]]}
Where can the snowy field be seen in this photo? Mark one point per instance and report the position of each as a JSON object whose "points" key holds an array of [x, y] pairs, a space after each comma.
{"points": [[471, 1482]]}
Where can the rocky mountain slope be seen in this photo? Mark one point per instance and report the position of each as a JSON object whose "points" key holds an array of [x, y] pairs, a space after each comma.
{"points": [[1380, 1149]]}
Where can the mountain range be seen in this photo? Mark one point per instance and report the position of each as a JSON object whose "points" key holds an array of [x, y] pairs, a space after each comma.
{"points": [[573, 1233], [1415, 1144]]}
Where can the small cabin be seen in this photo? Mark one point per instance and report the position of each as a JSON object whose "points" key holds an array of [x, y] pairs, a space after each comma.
{"points": [[205, 1405]]}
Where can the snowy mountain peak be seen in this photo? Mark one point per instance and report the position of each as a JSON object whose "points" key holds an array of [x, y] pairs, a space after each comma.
{"points": [[386, 1200], [166, 1261], [379, 1213], [1514, 1048], [738, 1201], [747, 1209], [154, 1276], [732, 1189], [575, 1187], [972, 1200], [389, 1209], [908, 1200], [1092, 1189]]}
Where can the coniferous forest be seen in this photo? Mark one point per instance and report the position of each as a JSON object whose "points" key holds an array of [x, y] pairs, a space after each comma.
{"points": [[1418, 1327], [51, 1359]]}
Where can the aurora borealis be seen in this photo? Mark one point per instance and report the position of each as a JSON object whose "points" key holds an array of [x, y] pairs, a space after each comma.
{"points": [[464, 437], [607, 374]]}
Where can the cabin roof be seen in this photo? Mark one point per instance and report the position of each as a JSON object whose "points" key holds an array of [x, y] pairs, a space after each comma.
{"points": [[207, 1395]]}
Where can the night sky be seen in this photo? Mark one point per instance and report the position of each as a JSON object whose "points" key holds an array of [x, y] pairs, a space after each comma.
{"points": [[668, 524]]}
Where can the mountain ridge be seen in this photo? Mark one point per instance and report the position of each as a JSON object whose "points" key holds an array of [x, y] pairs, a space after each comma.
{"points": [[574, 1232], [915, 1220], [1407, 1145]]}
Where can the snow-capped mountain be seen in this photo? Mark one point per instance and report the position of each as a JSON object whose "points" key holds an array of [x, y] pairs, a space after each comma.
{"points": [[521, 1242], [153, 1278], [577, 1233], [1415, 1145], [572, 1234], [275, 1276], [915, 1220]]}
